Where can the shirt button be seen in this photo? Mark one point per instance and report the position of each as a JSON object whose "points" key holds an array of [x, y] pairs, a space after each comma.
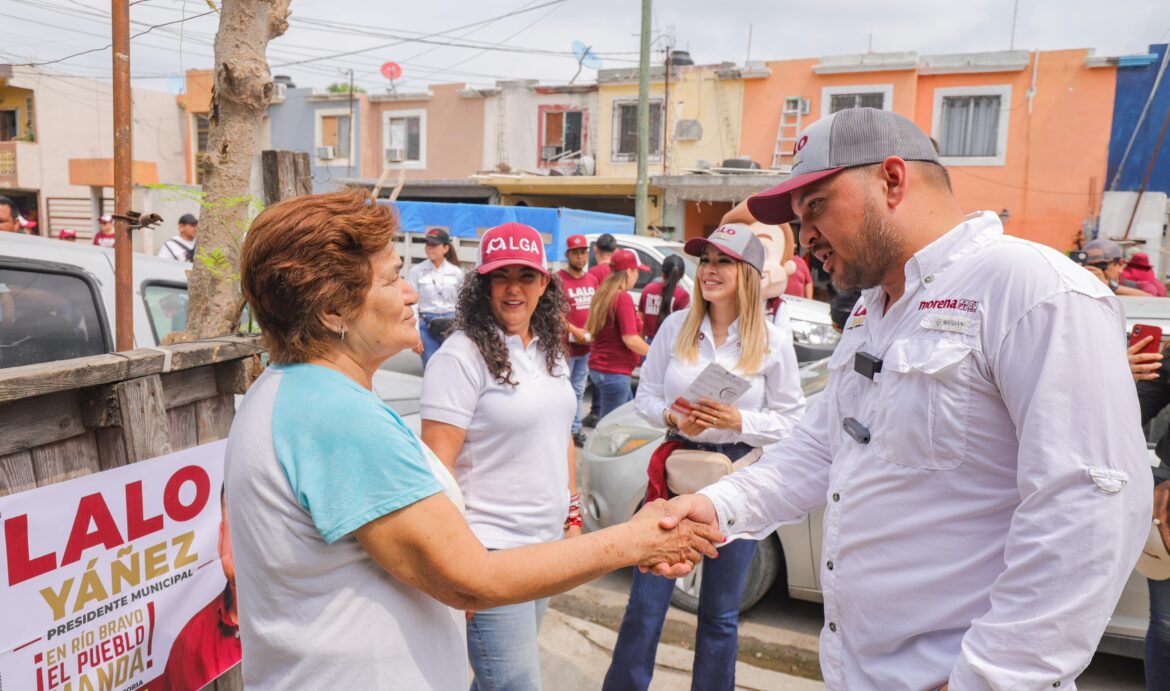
{"points": [[836, 496], [832, 627], [928, 279], [1055, 684], [830, 565], [731, 521]]}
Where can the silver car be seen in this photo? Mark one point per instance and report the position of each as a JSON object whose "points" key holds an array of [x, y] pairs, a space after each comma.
{"points": [[612, 477]]}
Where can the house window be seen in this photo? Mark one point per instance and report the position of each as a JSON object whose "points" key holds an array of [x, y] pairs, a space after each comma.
{"points": [[30, 114], [202, 127], [562, 135], [837, 98], [625, 130], [404, 138], [336, 135], [970, 124], [8, 130]]}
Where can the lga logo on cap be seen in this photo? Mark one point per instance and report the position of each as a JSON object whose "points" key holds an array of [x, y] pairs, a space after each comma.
{"points": [[511, 244]]}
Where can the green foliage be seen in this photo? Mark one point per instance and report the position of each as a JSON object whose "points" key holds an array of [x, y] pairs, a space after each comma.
{"points": [[343, 88]]}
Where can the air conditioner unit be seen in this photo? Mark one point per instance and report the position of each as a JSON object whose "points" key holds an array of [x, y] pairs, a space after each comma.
{"points": [[547, 153], [395, 155], [796, 104], [326, 153]]}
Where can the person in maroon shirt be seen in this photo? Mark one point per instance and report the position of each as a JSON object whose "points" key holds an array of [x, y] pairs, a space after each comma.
{"points": [[618, 345], [663, 296], [800, 283], [105, 235], [209, 643], [603, 251], [579, 286]]}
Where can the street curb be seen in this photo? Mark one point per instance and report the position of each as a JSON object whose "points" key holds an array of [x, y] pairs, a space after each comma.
{"points": [[760, 646]]}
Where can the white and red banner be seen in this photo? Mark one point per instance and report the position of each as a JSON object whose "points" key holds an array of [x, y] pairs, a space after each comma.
{"points": [[107, 578]]}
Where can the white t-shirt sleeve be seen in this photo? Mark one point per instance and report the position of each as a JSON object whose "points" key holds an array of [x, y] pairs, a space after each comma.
{"points": [[452, 384]]}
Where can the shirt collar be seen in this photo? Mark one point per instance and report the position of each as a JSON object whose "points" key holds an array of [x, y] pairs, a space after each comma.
{"points": [[709, 334], [515, 343], [976, 230]]}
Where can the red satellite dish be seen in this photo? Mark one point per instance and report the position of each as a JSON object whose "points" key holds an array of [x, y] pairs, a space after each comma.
{"points": [[391, 70]]}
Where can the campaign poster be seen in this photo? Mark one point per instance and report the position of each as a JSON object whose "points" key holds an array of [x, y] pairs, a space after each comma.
{"points": [[119, 580]]}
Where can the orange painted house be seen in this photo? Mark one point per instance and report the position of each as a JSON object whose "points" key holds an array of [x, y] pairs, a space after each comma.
{"points": [[1025, 134]]}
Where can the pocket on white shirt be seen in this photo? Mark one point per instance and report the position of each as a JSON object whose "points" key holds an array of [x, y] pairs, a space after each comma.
{"points": [[925, 398]]}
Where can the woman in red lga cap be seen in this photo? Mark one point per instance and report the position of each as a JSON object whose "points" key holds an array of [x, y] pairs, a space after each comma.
{"points": [[618, 345], [497, 408]]}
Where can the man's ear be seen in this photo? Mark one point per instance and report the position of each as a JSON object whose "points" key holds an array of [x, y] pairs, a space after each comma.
{"points": [[894, 174]]}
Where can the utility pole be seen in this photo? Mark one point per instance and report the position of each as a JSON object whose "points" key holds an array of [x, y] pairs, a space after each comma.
{"points": [[643, 188], [123, 164], [349, 155]]}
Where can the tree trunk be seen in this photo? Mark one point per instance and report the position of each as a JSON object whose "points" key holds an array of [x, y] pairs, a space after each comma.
{"points": [[242, 91]]}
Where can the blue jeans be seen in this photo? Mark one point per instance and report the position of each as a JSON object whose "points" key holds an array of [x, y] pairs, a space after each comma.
{"points": [[1157, 652], [430, 343], [578, 374], [610, 390], [716, 639], [503, 647]]}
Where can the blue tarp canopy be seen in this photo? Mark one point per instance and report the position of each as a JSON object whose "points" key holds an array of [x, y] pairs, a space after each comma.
{"points": [[470, 220]]}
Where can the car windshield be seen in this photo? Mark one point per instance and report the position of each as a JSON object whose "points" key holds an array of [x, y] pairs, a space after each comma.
{"points": [[690, 263]]}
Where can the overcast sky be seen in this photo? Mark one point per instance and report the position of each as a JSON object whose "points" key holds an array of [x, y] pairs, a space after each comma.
{"points": [[539, 34]]}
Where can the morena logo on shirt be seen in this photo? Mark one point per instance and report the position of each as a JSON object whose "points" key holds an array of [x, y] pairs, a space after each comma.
{"points": [[949, 304], [500, 244]]}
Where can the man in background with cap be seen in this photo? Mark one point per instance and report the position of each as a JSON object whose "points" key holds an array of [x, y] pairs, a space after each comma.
{"points": [[182, 246], [579, 286], [1103, 260], [105, 235], [980, 523], [603, 249]]}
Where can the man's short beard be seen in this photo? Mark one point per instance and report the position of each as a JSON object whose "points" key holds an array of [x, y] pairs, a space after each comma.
{"points": [[876, 249]]}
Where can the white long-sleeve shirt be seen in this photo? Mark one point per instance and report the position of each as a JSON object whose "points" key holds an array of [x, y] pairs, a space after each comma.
{"points": [[769, 410], [437, 286], [984, 534]]}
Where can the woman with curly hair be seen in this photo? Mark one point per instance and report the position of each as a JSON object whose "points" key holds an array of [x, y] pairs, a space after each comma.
{"points": [[497, 408]]}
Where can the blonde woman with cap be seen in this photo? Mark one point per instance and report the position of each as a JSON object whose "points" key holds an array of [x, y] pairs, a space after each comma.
{"points": [[616, 330], [437, 281], [498, 410], [726, 325]]}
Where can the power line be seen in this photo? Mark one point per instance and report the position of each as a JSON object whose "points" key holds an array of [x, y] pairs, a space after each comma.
{"points": [[111, 45], [440, 33]]}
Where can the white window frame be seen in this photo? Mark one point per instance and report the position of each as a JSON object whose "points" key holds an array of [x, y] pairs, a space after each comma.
{"points": [[320, 115], [193, 119], [387, 116], [1004, 91], [827, 93], [616, 130]]}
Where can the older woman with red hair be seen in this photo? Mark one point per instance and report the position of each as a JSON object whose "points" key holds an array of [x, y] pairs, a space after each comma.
{"points": [[353, 560]]}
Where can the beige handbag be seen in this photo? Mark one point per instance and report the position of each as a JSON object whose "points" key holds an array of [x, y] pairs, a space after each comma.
{"points": [[690, 470]]}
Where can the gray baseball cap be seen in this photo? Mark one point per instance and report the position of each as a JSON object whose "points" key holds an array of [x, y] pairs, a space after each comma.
{"points": [[846, 139], [735, 240], [1102, 249]]}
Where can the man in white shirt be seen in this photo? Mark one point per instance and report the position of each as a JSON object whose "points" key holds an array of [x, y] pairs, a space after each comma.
{"points": [[182, 246], [977, 450]]}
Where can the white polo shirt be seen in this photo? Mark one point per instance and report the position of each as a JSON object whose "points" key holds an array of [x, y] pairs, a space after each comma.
{"points": [[437, 286], [984, 534], [513, 468], [769, 410]]}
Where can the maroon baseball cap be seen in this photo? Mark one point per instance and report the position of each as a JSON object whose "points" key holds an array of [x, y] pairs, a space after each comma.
{"points": [[511, 244], [576, 242], [626, 259]]}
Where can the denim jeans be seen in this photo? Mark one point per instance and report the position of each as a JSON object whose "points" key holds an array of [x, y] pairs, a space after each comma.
{"points": [[610, 390], [717, 636], [503, 647], [1158, 638], [430, 343], [578, 375]]}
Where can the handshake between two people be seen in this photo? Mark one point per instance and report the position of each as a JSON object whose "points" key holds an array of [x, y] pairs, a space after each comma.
{"points": [[673, 536]]}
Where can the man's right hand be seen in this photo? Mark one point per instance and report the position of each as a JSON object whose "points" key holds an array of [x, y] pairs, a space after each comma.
{"points": [[1098, 273], [1144, 366], [692, 507]]}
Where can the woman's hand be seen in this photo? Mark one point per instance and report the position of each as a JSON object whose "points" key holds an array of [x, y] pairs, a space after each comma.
{"points": [[686, 542], [1162, 510], [712, 415], [1144, 366]]}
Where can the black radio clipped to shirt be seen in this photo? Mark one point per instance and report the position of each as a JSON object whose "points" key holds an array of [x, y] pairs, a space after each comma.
{"points": [[866, 365]]}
